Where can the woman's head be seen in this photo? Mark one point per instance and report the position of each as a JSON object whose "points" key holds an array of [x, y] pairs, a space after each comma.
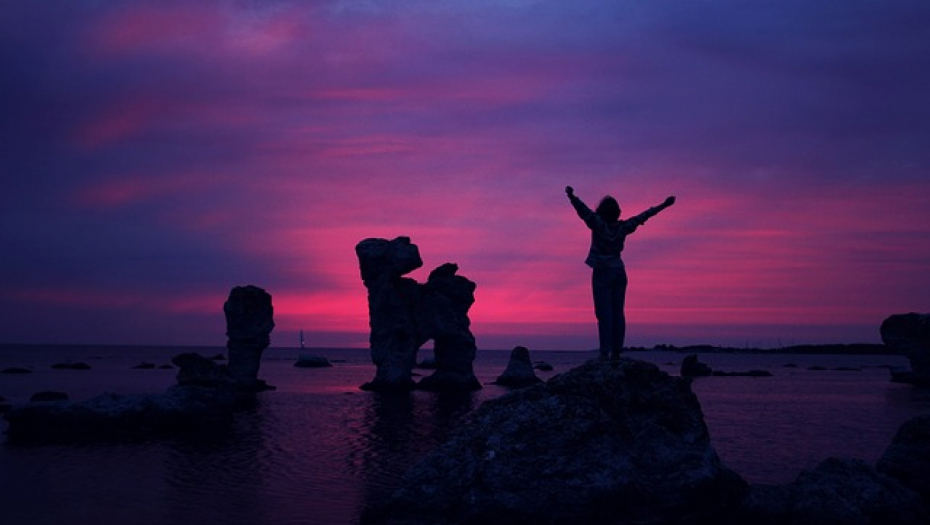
{"points": [[608, 209]]}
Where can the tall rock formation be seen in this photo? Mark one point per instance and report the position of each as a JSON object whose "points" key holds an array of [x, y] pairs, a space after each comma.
{"points": [[249, 322], [404, 314]]}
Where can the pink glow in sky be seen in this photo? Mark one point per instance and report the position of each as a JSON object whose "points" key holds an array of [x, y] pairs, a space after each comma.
{"points": [[156, 154]]}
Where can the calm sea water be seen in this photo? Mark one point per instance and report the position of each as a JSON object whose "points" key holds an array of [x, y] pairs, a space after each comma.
{"points": [[318, 450]]}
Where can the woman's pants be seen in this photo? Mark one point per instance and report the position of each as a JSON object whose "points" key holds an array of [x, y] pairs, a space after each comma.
{"points": [[609, 286]]}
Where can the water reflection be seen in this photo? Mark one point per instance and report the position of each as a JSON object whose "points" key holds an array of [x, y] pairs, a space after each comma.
{"points": [[218, 476], [399, 429]]}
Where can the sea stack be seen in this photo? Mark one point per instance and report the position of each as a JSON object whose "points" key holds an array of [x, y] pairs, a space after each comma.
{"points": [[249, 322], [404, 314]]}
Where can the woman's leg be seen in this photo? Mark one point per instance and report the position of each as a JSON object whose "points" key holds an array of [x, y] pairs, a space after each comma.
{"points": [[618, 318], [601, 285]]}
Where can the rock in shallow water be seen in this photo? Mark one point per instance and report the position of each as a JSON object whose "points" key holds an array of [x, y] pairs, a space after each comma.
{"points": [[603, 443], [519, 372]]}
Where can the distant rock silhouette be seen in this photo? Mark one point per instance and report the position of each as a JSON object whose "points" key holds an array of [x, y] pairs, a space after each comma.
{"points": [[691, 367], [312, 361], [249, 322], [49, 395], [71, 366], [404, 315], [519, 372], [15, 370], [617, 443], [909, 334]]}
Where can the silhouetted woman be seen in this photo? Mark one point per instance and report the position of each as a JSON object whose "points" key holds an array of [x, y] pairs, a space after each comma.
{"points": [[608, 280]]}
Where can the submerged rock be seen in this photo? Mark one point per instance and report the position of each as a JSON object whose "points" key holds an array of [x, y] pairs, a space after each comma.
{"points": [[617, 443], [15, 370], [71, 366], [49, 395], [837, 492], [519, 372], [909, 335]]}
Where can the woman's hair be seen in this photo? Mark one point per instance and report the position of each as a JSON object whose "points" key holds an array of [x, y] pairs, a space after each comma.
{"points": [[608, 209]]}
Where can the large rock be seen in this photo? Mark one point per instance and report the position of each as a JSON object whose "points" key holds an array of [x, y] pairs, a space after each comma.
{"points": [[908, 457], [249, 322], [909, 334], [403, 315], [519, 372], [836, 492], [617, 443]]}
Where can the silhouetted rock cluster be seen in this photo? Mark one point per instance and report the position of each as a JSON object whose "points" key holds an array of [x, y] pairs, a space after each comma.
{"points": [[404, 314], [519, 372], [617, 443], [692, 367], [909, 334], [204, 398]]}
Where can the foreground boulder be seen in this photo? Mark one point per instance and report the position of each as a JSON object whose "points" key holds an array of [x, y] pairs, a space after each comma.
{"points": [[909, 335], [908, 456], [519, 372], [837, 492], [404, 314], [617, 443]]}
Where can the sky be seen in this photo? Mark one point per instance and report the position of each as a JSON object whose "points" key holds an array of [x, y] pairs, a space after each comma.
{"points": [[153, 155]]}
